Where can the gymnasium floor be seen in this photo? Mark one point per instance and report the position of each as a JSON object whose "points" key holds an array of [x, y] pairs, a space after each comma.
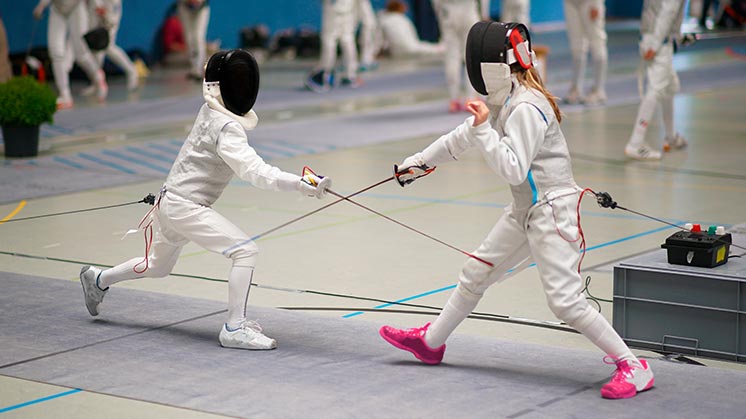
{"points": [[98, 155]]}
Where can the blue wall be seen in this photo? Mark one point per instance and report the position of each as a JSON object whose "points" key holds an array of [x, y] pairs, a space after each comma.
{"points": [[142, 18]]}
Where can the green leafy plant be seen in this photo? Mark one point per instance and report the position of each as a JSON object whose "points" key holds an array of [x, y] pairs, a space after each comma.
{"points": [[25, 101]]}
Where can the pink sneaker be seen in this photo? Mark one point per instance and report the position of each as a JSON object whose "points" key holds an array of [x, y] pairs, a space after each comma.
{"points": [[628, 379], [413, 340]]}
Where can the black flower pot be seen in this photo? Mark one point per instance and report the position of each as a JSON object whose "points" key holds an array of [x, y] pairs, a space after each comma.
{"points": [[21, 140]]}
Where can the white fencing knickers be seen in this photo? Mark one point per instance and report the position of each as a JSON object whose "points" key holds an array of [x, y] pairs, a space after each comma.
{"points": [[179, 221], [546, 233]]}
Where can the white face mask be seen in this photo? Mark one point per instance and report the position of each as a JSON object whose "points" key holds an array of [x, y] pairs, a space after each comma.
{"points": [[497, 81]]}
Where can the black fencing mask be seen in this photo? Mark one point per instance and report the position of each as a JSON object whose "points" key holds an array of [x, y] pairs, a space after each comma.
{"points": [[496, 42], [236, 74]]}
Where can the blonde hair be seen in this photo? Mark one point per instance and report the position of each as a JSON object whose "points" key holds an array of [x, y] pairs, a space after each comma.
{"points": [[530, 78]]}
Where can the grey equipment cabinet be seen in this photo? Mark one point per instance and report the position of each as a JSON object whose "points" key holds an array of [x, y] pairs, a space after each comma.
{"points": [[680, 309]]}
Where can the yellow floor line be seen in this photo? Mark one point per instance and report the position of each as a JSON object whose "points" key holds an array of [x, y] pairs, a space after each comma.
{"points": [[14, 212]]}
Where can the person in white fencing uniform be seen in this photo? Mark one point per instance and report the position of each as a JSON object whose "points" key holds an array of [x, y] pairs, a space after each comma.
{"points": [[455, 17], [586, 31], [369, 44], [195, 17], [216, 149], [400, 36], [516, 11], [70, 18], [517, 132], [660, 29], [338, 22], [108, 13]]}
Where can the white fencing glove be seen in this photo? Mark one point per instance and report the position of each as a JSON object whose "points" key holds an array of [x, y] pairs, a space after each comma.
{"points": [[312, 184], [411, 168]]}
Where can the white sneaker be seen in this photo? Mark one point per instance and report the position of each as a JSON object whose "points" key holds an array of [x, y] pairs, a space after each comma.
{"points": [[676, 142], [642, 152], [629, 379], [595, 98], [91, 292], [248, 335], [573, 97]]}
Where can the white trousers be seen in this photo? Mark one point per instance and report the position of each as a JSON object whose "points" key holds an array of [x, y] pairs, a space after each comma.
{"points": [[455, 21], [75, 24], [338, 29], [662, 84], [547, 234], [178, 221], [368, 31], [586, 34], [194, 24]]}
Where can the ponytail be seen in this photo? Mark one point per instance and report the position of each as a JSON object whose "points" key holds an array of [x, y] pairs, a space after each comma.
{"points": [[530, 78]]}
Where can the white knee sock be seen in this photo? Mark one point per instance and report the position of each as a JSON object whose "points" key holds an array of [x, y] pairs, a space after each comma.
{"points": [[122, 272], [595, 327], [459, 306], [239, 285]]}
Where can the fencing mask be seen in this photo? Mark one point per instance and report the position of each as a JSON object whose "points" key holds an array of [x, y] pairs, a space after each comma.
{"points": [[492, 48], [231, 85]]}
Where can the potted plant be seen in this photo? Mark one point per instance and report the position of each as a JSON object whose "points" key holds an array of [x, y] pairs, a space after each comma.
{"points": [[24, 105]]}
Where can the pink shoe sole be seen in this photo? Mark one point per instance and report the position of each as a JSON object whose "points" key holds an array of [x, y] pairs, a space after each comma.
{"points": [[628, 395], [429, 361]]}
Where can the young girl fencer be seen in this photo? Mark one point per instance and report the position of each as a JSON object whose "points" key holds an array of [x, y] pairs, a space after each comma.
{"points": [[518, 134], [215, 150], [660, 28], [70, 17], [455, 17], [586, 30]]}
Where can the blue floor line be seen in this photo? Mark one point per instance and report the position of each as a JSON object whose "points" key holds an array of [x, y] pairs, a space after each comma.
{"points": [[68, 163], [43, 399], [135, 160], [145, 153], [107, 163], [164, 148], [425, 294]]}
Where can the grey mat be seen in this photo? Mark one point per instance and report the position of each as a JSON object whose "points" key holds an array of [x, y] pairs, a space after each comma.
{"points": [[164, 349]]}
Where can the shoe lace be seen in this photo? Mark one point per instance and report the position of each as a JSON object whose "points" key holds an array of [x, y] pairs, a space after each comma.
{"points": [[623, 368], [250, 325]]}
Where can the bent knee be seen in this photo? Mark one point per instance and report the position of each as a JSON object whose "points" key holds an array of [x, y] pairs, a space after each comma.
{"points": [[569, 311], [245, 254]]}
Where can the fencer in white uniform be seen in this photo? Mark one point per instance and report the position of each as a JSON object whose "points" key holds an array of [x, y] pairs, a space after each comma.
{"points": [[400, 36], [516, 11], [70, 18], [369, 44], [455, 17], [586, 31], [108, 13], [518, 134], [216, 149], [660, 29], [195, 16]]}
